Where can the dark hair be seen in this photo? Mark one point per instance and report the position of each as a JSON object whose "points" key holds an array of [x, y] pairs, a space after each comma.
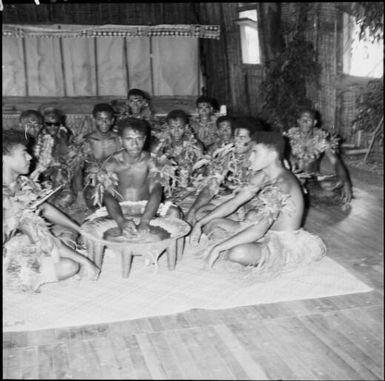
{"points": [[245, 123], [28, 113], [136, 92], [140, 125], [272, 139], [204, 99], [177, 114], [308, 110], [103, 107], [13, 138], [224, 118], [54, 111]]}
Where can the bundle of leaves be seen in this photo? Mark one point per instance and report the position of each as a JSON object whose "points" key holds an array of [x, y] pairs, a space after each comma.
{"points": [[370, 105], [285, 83], [101, 181], [167, 174], [269, 202], [223, 164], [21, 213], [78, 153]]}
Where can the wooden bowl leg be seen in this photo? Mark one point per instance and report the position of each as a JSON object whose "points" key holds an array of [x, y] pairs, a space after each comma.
{"points": [[180, 242], [171, 255], [98, 254], [126, 262]]}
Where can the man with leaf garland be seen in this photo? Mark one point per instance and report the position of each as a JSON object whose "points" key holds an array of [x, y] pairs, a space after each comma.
{"points": [[178, 149], [32, 255], [92, 150], [271, 240], [309, 145], [227, 168], [132, 174]]}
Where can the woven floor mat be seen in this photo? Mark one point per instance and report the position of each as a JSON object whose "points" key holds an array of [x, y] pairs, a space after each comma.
{"points": [[150, 292]]}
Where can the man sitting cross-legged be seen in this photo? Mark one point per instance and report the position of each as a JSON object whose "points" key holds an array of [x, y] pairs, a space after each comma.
{"points": [[137, 179], [32, 255], [271, 239]]}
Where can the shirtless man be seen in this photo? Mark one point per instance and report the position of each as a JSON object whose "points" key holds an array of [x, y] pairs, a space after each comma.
{"points": [[179, 145], [225, 172], [309, 145], [138, 180], [32, 255], [204, 124], [225, 133], [97, 146], [275, 240]]}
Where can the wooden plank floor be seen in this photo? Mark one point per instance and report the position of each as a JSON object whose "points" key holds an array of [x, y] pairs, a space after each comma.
{"points": [[334, 338]]}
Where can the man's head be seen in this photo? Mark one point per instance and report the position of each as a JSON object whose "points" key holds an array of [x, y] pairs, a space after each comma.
{"points": [[103, 115], [134, 135], [307, 119], [204, 106], [15, 156], [31, 121], [267, 148], [136, 100], [225, 129], [177, 121], [53, 119], [243, 131]]}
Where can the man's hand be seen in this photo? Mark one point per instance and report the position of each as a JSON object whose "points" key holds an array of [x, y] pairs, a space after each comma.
{"points": [[190, 217], [211, 256], [144, 226], [129, 228], [195, 234]]}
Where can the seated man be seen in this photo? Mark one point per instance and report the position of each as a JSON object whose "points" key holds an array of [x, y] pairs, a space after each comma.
{"points": [[32, 255], [52, 150], [96, 147], [204, 125], [137, 179], [272, 240], [178, 146], [31, 121], [308, 146], [224, 134], [137, 106], [227, 170]]}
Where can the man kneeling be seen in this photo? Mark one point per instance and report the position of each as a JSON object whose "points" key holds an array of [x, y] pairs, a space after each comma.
{"points": [[138, 179], [270, 238]]}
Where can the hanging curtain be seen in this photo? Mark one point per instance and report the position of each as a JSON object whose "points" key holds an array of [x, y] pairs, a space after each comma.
{"points": [[110, 66], [175, 66], [73, 60], [14, 75], [139, 64], [44, 69], [79, 66]]}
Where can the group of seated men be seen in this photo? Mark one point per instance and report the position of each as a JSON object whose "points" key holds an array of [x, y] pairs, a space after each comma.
{"points": [[243, 192]]}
